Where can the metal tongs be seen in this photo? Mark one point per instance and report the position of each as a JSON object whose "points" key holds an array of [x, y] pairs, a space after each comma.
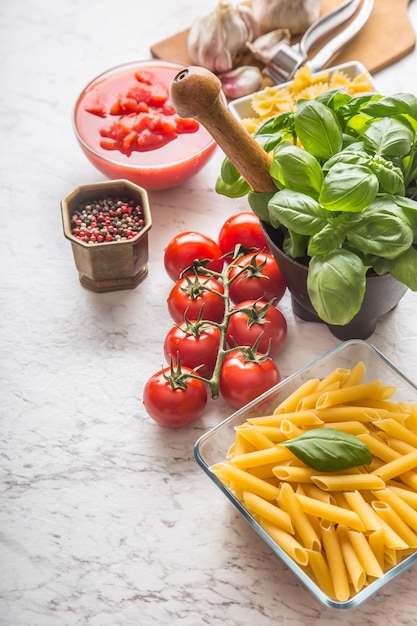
{"points": [[290, 58]]}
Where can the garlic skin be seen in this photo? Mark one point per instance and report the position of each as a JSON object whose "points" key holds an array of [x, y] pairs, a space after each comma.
{"points": [[296, 15], [266, 46], [217, 37], [241, 82]]}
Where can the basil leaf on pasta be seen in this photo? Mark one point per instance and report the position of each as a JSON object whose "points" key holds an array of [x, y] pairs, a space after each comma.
{"points": [[329, 450]]}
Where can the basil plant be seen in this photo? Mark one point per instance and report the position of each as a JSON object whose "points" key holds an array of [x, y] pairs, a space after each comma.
{"points": [[345, 169]]}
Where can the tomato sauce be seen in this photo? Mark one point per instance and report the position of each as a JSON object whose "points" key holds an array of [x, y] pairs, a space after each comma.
{"points": [[127, 117]]}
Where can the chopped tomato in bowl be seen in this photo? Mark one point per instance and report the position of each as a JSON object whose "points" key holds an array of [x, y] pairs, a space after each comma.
{"points": [[128, 128]]}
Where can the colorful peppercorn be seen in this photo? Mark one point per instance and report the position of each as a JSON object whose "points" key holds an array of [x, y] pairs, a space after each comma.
{"points": [[107, 219]]}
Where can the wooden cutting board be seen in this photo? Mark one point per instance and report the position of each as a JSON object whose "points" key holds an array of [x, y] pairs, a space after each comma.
{"points": [[386, 37]]}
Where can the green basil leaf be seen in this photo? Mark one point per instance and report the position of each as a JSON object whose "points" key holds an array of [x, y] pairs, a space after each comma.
{"points": [[382, 233], [336, 99], [296, 169], [403, 103], [336, 284], [390, 177], [229, 173], [348, 156], [348, 188], [295, 245], [236, 190], [297, 212], [258, 202], [329, 450], [409, 206], [275, 130], [318, 129], [389, 137], [378, 263], [404, 269], [330, 237]]}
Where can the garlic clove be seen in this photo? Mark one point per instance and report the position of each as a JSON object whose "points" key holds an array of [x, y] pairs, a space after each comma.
{"points": [[296, 15], [241, 81], [266, 46], [215, 39], [248, 17]]}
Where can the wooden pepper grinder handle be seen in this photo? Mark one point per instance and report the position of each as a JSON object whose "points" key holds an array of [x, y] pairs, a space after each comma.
{"points": [[196, 93]]}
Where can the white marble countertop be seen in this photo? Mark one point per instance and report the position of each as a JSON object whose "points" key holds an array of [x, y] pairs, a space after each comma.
{"points": [[105, 518]]}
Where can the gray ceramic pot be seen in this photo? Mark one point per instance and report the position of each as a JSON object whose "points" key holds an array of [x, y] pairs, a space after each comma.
{"points": [[383, 293]]}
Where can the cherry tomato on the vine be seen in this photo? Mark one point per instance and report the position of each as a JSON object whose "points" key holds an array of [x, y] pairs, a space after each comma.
{"points": [[197, 296], [252, 319], [245, 229], [174, 405], [196, 345], [187, 247], [256, 276], [242, 380]]}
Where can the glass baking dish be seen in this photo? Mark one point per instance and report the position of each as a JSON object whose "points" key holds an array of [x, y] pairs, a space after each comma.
{"points": [[212, 447]]}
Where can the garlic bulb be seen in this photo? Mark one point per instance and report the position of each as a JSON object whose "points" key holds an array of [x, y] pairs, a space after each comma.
{"points": [[241, 82], [266, 46], [216, 38], [296, 15]]}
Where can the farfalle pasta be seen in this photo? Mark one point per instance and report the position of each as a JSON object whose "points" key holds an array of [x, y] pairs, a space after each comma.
{"points": [[305, 85]]}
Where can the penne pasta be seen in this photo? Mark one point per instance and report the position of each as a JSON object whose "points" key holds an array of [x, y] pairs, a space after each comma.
{"points": [[377, 544], [351, 482], [408, 496], [379, 448], [330, 512], [356, 375], [363, 509], [310, 401], [239, 446], [254, 436], [404, 510], [402, 447], [321, 572], [299, 418], [312, 491], [289, 501], [365, 555], [394, 521], [347, 394], [392, 427], [274, 433], [356, 573], [294, 474], [290, 430], [227, 473], [268, 511], [289, 404], [343, 413], [286, 541], [335, 561], [261, 457], [396, 467], [339, 376], [352, 427], [345, 528]]}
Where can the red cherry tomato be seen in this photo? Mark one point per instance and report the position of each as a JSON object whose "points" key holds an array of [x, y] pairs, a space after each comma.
{"points": [[194, 296], [185, 248], [174, 406], [243, 380], [196, 346], [261, 278], [254, 318], [245, 229]]}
